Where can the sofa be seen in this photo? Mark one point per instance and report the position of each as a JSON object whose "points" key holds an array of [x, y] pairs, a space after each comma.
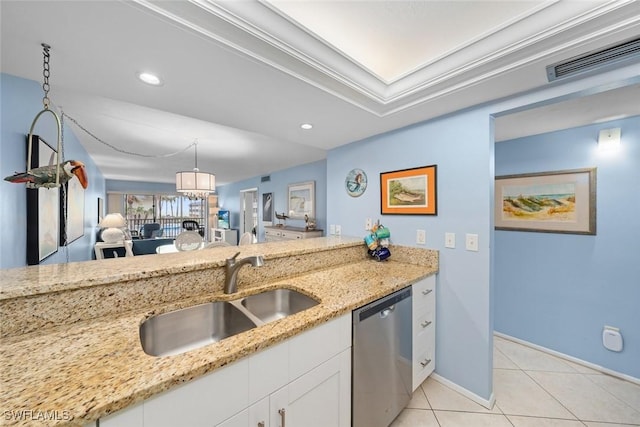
{"points": [[148, 246], [140, 247]]}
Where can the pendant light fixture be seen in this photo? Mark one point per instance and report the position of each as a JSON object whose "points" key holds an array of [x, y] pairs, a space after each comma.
{"points": [[195, 184]]}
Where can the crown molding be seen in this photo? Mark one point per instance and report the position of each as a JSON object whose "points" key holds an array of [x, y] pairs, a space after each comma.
{"points": [[262, 33]]}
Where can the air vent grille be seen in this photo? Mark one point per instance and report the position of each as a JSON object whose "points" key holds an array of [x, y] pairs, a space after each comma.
{"points": [[597, 60], [265, 178]]}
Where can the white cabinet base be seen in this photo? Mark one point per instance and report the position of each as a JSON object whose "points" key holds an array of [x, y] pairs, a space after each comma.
{"points": [[424, 329], [309, 376]]}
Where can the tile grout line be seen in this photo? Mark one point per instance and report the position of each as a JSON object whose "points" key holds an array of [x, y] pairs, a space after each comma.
{"points": [[429, 403], [624, 402], [551, 394]]}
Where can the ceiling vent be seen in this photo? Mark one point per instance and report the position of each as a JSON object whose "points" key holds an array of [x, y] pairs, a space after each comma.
{"points": [[596, 60], [265, 178]]}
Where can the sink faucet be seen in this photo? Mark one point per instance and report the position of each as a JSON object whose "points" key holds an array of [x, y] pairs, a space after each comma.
{"points": [[231, 270]]}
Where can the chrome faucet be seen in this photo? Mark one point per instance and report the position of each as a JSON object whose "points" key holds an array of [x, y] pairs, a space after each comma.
{"points": [[231, 270]]}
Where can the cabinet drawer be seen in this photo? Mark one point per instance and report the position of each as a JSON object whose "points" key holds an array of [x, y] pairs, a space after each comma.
{"points": [[423, 364], [292, 235], [424, 295], [272, 233], [424, 325]]}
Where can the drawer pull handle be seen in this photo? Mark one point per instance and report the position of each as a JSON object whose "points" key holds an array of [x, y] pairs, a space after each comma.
{"points": [[427, 291], [425, 362], [282, 415], [425, 323], [261, 424]]}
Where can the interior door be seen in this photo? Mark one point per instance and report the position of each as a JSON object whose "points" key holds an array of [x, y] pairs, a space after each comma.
{"points": [[248, 210]]}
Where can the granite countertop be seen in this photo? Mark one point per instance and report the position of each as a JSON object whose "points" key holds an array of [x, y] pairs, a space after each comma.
{"points": [[89, 369], [34, 280]]}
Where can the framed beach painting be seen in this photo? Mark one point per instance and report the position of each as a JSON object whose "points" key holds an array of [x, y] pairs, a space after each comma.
{"points": [[267, 208], [71, 212], [548, 202], [301, 200], [43, 208], [409, 191]]}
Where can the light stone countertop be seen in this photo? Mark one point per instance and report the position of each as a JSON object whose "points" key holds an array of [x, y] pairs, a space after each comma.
{"points": [[89, 369], [40, 279]]}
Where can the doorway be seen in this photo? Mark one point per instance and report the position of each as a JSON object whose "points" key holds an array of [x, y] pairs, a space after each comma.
{"points": [[249, 212]]}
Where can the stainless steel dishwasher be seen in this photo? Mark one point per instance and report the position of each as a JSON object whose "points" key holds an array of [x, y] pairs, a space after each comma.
{"points": [[381, 365]]}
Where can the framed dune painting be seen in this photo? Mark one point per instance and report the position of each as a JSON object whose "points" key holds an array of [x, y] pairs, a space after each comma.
{"points": [[548, 202]]}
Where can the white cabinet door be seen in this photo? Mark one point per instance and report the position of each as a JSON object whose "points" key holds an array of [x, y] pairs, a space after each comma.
{"points": [[272, 235], [268, 371], [128, 417], [204, 402], [238, 420], [318, 345], [319, 398], [259, 413]]}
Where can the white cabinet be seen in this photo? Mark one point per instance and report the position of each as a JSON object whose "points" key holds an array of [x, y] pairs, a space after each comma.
{"points": [[133, 416], [274, 234], [101, 246], [309, 376], [424, 329], [205, 401], [319, 398], [229, 235]]}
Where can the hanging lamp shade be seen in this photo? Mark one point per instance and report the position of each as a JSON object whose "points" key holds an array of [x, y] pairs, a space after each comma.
{"points": [[195, 184]]}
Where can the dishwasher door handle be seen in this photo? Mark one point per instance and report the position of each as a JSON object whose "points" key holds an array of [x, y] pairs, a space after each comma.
{"points": [[387, 311]]}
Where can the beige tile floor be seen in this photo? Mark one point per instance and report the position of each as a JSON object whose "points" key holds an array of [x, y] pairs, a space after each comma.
{"points": [[532, 389]]}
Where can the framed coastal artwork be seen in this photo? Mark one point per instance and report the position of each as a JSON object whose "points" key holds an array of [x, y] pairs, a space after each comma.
{"points": [[548, 202], [267, 208], [101, 209], [43, 208], [409, 191], [71, 211], [301, 200]]}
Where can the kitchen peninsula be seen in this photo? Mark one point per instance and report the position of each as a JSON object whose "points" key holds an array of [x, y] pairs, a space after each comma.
{"points": [[70, 332]]}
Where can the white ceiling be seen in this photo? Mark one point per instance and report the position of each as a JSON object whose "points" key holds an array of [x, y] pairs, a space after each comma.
{"points": [[241, 76]]}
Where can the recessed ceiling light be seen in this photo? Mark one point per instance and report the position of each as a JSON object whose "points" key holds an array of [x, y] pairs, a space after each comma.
{"points": [[306, 126], [150, 79]]}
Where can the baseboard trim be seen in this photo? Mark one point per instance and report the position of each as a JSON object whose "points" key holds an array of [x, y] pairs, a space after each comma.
{"points": [[466, 393], [570, 358]]}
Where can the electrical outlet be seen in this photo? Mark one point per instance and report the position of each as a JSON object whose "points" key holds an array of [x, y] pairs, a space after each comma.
{"points": [[472, 242], [332, 229], [368, 224], [450, 240], [421, 237], [338, 230]]}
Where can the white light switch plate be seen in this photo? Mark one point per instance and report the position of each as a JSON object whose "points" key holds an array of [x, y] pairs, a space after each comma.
{"points": [[472, 242], [368, 224], [450, 240], [421, 237]]}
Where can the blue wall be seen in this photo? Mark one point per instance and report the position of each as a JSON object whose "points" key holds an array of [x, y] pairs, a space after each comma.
{"points": [[229, 195], [20, 101], [461, 144], [463, 340], [559, 290]]}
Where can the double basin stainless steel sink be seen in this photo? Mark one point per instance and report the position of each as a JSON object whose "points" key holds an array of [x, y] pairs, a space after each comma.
{"points": [[193, 327]]}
